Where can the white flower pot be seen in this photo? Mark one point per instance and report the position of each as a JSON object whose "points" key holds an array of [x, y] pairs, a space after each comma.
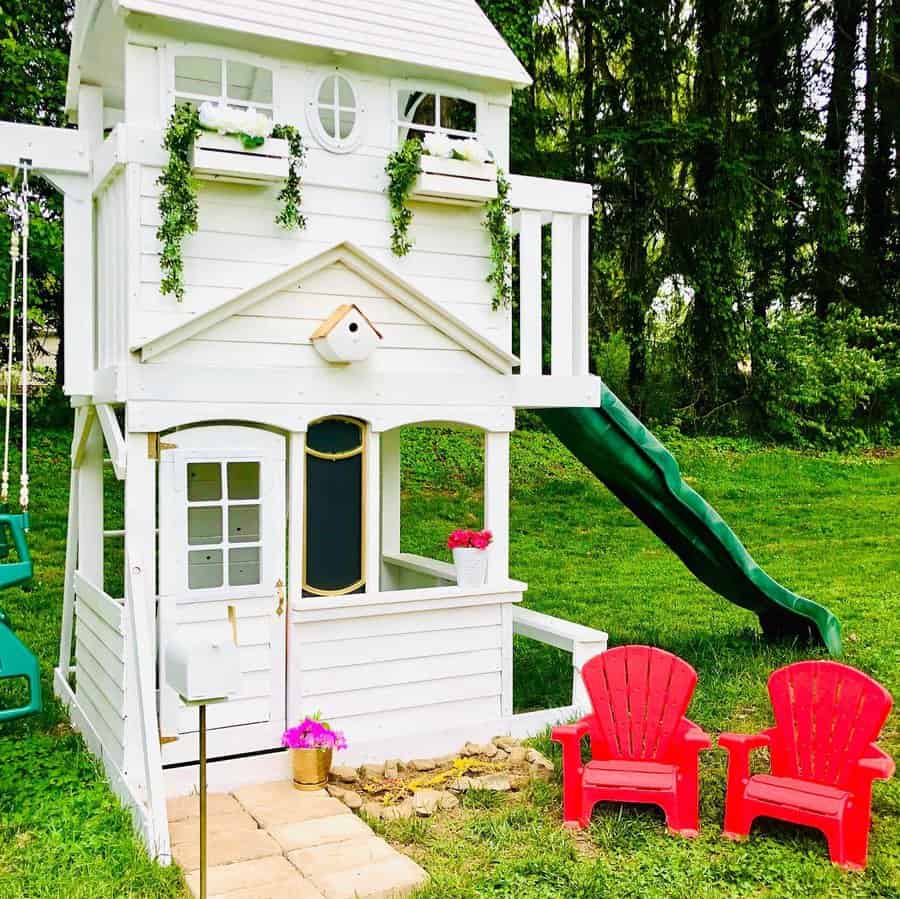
{"points": [[471, 566]]}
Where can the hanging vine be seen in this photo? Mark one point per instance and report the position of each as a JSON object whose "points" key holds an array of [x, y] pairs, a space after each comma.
{"points": [[178, 199], [403, 167], [178, 206], [496, 222]]}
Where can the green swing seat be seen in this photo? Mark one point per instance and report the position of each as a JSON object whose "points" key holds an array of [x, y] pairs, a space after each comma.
{"points": [[16, 659]]}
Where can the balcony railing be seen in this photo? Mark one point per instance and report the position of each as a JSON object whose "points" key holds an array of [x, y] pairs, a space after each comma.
{"points": [[565, 206]]}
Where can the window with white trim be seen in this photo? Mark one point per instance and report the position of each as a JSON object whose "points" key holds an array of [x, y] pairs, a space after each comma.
{"points": [[427, 112], [198, 79], [335, 113]]}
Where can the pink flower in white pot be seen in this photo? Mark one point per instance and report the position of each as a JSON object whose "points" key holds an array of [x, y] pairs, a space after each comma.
{"points": [[470, 556]]}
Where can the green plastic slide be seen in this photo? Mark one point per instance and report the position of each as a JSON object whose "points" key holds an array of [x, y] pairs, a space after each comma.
{"points": [[643, 475]]}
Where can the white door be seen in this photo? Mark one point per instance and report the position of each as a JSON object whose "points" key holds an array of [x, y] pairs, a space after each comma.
{"points": [[222, 543]]}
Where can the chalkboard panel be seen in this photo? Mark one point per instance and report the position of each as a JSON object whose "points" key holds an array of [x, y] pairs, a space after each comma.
{"points": [[334, 509]]}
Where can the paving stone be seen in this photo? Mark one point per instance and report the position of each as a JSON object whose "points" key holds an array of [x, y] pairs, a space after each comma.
{"points": [[293, 888], [391, 878], [279, 803], [188, 829], [322, 860], [320, 831], [225, 848], [189, 806], [234, 880]]}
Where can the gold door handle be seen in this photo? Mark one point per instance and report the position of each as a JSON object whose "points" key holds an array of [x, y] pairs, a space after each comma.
{"points": [[279, 592]]}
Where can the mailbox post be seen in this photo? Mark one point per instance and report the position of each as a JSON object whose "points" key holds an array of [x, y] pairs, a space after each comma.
{"points": [[205, 671]]}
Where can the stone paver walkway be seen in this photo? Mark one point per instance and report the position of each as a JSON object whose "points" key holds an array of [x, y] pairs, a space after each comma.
{"points": [[270, 841]]}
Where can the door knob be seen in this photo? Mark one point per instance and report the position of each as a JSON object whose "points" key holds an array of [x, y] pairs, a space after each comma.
{"points": [[279, 592]]}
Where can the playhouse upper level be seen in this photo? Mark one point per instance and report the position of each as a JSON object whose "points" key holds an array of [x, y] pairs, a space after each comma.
{"points": [[356, 79]]}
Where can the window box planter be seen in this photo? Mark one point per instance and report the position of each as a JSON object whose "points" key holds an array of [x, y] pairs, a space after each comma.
{"points": [[220, 157], [455, 181]]}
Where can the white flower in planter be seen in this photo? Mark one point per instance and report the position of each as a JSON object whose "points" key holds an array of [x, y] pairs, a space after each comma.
{"points": [[474, 151], [438, 145], [228, 120]]}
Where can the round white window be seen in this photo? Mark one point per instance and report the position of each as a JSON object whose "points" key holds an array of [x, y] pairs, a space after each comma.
{"points": [[335, 114]]}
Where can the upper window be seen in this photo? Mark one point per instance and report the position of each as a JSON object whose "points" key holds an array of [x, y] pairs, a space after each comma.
{"points": [[237, 84], [335, 113], [420, 113]]}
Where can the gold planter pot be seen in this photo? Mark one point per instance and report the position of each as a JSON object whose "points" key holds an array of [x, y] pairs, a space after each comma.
{"points": [[311, 767]]}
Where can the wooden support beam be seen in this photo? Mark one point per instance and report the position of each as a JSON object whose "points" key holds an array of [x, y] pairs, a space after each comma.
{"points": [[115, 440], [50, 150]]}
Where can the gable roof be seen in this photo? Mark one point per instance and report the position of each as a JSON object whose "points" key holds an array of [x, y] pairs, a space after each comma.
{"points": [[446, 34], [366, 267], [337, 317]]}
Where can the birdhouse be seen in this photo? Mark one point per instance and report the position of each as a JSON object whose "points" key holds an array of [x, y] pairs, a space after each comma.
{"points": [[346, 336], [207, 669]]}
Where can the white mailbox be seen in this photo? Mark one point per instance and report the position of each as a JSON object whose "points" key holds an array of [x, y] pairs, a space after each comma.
{"points": [[204, 669]]}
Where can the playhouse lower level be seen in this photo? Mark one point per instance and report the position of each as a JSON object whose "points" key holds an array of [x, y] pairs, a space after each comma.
{"points": [[299, 531]]}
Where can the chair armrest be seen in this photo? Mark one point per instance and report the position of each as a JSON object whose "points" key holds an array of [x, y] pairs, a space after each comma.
{"points": [[876, 764], [743, 743], [570, 733], [692, 737]]}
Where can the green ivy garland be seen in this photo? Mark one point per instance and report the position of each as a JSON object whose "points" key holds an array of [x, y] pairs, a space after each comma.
{"points": [[178, 199], [291, 217], [403, 167], [178, 206], [496, 221]]}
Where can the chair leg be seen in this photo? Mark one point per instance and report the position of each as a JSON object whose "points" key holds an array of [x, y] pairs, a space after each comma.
{"points": [[572, 801], [848, 842], [737, 820], [681, 818]]}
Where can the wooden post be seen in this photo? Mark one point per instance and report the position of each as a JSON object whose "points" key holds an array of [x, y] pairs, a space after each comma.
{"points": [[561, 292], [580, 312], [530, 339], [68, 610], [90, 505], [296, 549], [496, 502], [390, 499], [372, 511]]}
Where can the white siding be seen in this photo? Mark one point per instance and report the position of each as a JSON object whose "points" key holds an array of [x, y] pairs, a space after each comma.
{"points": [[276, 332], [453, 35], [400, 673], [111, 248], [100, 665]]}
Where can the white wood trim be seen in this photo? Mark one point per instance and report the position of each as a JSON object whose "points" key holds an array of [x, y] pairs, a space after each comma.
{"points": [[496, 503], [561, 295], [68, 609], [90, 507], [435, 568], [372, 507], [102, 604], [51, 150], [580, 297], [296, 511], [390, 493], [554, 631], [530, 265], [78, 291], [366, 267], [543, 194], [115, 441], [506, 686], [84, 420]]}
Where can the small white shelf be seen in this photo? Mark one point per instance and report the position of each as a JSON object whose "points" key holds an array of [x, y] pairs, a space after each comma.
{"points": [[219, 157], [455, 181]]}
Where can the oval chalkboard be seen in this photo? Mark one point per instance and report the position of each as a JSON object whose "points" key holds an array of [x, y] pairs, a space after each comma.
{"points": [[334, 508]]}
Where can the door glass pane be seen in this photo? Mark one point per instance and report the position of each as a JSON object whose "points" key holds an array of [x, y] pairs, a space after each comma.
{"points": [[414, 106], [204, 525], [198, 75], [243, 566], [243, 524], [204, 481], [205, 569], [250, 83], [243, 480]]}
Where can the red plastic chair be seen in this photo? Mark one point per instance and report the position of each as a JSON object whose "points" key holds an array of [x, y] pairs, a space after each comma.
{"points": [[824, 759], [643, 748]]}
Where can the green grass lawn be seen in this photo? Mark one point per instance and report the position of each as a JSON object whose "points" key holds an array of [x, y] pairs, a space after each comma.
{"points": [[826, 526]]}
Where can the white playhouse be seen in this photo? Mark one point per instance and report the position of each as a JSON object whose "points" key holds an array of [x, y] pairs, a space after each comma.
{"points": [[255, 413]]}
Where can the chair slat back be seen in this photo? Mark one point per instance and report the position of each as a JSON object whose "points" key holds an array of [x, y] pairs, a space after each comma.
{"points": [[639, 695], [826, 715]]}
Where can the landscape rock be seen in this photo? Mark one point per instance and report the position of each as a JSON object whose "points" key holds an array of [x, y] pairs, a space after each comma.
{"points": [[489, 750], [461, 785], [517, 756], [425, 802], [398, 812], [501, 755], [497, 783], [538, 760], [448, 801], [373, 810], [370, 771], [446, 759], [345, 774], [505, 742], [392, 769], [352, 799], [470, 750], [423, 764]]}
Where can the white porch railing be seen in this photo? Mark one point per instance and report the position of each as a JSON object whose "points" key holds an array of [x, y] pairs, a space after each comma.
{"points": [[566, 207]]}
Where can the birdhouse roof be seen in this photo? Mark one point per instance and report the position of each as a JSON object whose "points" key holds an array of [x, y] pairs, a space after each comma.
{"points": [[454, 35], [337, 317]]}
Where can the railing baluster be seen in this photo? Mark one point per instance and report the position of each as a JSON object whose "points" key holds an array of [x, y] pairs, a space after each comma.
{"points": [[580, 294], [563, 282], [530, 349]]}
